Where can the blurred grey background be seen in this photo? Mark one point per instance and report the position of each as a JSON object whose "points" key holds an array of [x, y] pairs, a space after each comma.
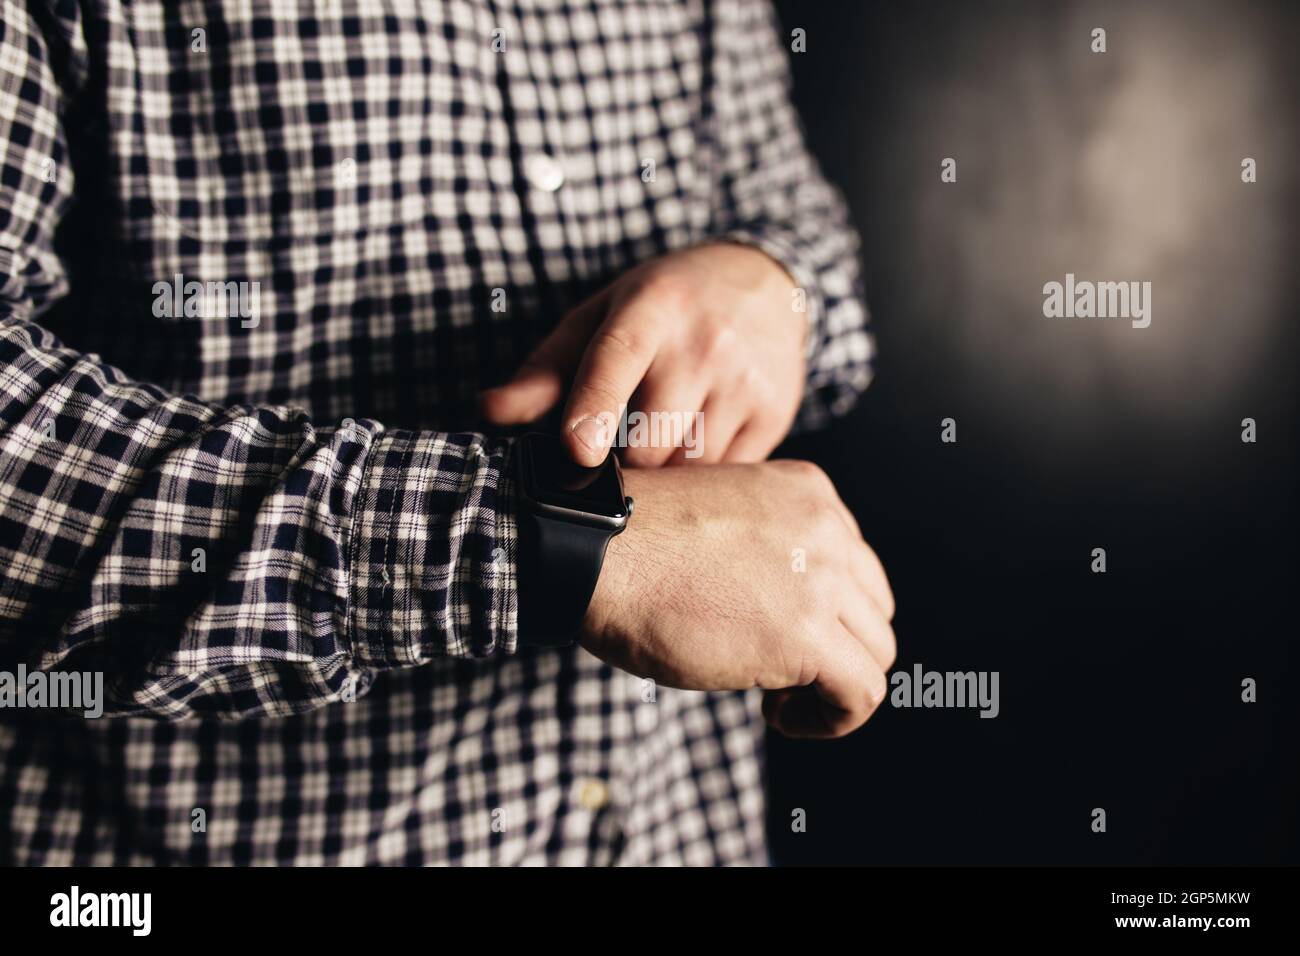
{"points": [[1121, 690]]}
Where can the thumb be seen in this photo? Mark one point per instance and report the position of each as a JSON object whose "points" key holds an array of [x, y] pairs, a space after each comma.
{"points": [[539, 383]]}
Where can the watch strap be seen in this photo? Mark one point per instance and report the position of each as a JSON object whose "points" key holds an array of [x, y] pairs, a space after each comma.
{"points": [[560, 564]]}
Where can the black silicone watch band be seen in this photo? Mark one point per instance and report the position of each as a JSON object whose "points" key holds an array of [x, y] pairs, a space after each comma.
{"points": [[560, 564]]}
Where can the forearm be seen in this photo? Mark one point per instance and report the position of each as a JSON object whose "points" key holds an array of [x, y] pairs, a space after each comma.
{"points": [[235, 560]]}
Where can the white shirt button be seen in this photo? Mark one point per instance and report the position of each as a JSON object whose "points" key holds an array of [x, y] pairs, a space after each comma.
{"points": [[593, 793], [544, 172]]}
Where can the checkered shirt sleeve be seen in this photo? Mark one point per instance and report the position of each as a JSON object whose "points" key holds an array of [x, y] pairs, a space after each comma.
{"points": [[210, 560], [772, 194]]}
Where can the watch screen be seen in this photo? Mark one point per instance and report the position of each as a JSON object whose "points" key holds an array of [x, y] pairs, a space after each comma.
{"points": [[556, 480]]}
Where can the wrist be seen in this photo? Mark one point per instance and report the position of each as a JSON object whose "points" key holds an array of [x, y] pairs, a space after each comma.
{"points": [[615, 588], [567, 516]]}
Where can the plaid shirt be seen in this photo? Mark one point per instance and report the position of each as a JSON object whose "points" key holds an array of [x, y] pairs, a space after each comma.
{"points": [[269, 521]]}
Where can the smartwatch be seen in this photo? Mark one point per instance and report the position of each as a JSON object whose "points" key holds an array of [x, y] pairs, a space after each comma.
{"points": [[567, 514]]}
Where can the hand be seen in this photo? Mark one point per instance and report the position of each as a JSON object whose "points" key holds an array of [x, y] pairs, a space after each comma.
{"points": [[710, 329], [701, 592]]}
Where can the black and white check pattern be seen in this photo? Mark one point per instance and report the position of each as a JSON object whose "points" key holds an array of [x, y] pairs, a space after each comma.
{"points": [[278, 532]]}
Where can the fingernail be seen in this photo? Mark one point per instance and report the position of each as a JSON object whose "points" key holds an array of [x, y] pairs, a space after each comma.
{"points": [[591, 432], [879, 690]]}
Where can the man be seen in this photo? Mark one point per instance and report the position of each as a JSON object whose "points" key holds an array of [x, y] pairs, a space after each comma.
{"points": [[261, 266]]}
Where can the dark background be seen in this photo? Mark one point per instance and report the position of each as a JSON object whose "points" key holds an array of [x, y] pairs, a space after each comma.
{"points": [[1119, 690]]}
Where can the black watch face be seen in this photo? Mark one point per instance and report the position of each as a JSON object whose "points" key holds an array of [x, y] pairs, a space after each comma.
{"points": [[557, 481]]}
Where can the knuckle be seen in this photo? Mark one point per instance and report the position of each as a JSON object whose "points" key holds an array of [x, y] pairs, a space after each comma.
{"points": [[888, 605], [810, 475], [868, 711], [599, 396], [754, 383], [825, 520], [664, 288], [891, 648], [718, 345], [623, 341]]}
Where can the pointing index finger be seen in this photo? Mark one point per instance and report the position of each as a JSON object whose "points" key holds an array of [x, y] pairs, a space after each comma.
{"points": [[611, 369]]}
